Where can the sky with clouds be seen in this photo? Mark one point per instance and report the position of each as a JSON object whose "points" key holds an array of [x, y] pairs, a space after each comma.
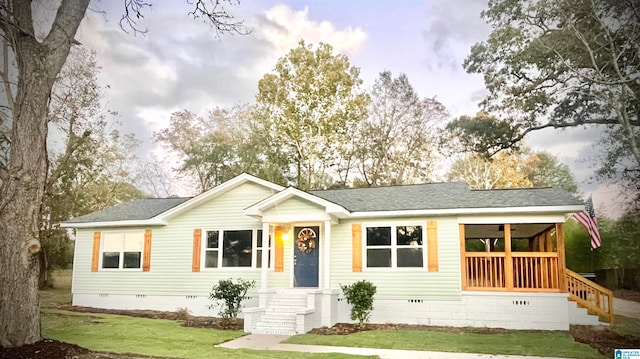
{"points": [[181, 64]]}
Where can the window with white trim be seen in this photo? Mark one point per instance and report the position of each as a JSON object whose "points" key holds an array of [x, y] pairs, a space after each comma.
{"points": [[122, 250], [233, 248], [260, 247], [395, 246]]}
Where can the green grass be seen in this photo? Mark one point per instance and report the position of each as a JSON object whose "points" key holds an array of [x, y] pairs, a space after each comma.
{"points": [[150, 337], [141, 336], [535, 343], [61, 291], [627, 326]]}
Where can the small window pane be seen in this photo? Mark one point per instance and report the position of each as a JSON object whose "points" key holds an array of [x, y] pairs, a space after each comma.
{"points": [[236, 249], [211, 259], [112, 242], [133, 241], [409, 257], [212, 239], [259, 258], [131, 260], [409, 235], [111, 260], [378, 257], [378, 236], [259, 239]]}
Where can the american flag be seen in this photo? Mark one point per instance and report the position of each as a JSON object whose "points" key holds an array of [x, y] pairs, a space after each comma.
{"points": [[587, 219]]}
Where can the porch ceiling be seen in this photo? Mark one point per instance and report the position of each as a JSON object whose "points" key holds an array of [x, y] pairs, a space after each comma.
{"points": [[522, 230]]}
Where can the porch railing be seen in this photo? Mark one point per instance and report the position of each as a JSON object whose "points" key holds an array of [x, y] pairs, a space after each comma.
{"points": [[590, 295], [521, 271]]}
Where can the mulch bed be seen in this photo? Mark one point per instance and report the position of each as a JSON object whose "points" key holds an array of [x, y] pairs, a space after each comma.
{"points": [[602, 339], [185, 319]]}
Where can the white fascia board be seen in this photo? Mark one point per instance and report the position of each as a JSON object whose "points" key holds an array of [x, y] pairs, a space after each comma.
{"points": [[470, 211], [230, 184], [330, 207], [129, 223], [302, 217]]}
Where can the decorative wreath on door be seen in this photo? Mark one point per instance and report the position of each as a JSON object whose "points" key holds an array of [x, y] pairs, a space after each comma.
{"points": [[306, 240]]}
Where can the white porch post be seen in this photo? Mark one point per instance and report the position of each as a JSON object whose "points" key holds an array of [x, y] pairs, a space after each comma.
{"points": [[266, 247], [327, 254]]}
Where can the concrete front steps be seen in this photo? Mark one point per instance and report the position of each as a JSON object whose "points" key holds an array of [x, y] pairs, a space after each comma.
{"points": [[280, 315], [580, 316]]}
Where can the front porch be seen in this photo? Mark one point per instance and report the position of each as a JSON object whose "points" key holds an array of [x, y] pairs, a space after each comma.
{"points": [[525, 257]]}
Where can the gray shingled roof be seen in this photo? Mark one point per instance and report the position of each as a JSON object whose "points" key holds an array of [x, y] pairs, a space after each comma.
{"points": [[135, 210], [430, 196], [442, 196]]}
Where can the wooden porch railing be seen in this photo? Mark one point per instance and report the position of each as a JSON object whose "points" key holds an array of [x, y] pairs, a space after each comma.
{"points": [[521, 271], [590, 295]]}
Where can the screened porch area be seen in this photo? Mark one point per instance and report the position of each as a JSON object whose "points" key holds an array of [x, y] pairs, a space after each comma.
{"points": [[526, 257]]}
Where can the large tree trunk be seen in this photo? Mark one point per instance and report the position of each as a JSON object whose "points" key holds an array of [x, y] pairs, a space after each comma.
{"points": [[20, 200]]}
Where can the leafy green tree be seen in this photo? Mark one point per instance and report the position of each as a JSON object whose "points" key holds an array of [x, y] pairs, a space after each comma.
{"points": [[79, 182], [33, 58], [218, 147], [396, 143], [511, 169], [561, 64], [482, 134], [620, 245], [311, 104], [579, 256], [546, 171], [504, 170]]}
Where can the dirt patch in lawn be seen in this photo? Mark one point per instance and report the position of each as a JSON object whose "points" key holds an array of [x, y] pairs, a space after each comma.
{"points": [[181, 316], [53, 349], [603, 339]]}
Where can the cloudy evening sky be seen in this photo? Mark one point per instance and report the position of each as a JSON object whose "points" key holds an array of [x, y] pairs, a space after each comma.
{"points": [[180, 64]]}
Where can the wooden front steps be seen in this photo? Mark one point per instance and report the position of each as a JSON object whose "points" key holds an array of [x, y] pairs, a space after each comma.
{"points": [[595, 298]]}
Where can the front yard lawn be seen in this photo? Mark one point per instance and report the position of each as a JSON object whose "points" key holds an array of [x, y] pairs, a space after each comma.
{"points": [[151, 337], [516, 342]]}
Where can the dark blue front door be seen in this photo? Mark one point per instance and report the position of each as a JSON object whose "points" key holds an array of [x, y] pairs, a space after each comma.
{"points": [[305, 256]]}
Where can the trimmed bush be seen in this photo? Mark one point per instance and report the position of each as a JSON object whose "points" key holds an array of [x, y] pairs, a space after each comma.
{"points": [[231, 294], [360, 296]]}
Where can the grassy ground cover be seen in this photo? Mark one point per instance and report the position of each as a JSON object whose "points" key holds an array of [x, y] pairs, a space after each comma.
{"points": [[535, 343], [141, 336], [152, 337]]}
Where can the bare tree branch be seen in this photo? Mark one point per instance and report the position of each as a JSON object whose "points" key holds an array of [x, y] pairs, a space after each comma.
{"points": [[218, 17], [132, 13]]}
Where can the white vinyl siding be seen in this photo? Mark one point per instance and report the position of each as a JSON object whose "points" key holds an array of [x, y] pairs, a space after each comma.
{"points": [[172, 250], [402, 283]]}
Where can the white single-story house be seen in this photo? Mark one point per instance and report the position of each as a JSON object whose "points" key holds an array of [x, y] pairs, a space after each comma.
{"points": [[439, 254]]}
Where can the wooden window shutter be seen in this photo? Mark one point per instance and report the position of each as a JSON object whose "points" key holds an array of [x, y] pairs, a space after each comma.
{"points": [[146, 262], [197, 242], [279, 250], [356, 242], [432, 245], [95, 256]]}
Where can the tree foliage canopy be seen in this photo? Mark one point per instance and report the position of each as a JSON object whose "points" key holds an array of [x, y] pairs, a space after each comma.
{"points": [[31, 62], [559, 64], [396, 142], [309, 104], [511, 169]]}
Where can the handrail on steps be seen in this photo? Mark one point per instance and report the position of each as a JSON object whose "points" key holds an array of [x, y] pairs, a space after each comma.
{"points": [[590, 295]]}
